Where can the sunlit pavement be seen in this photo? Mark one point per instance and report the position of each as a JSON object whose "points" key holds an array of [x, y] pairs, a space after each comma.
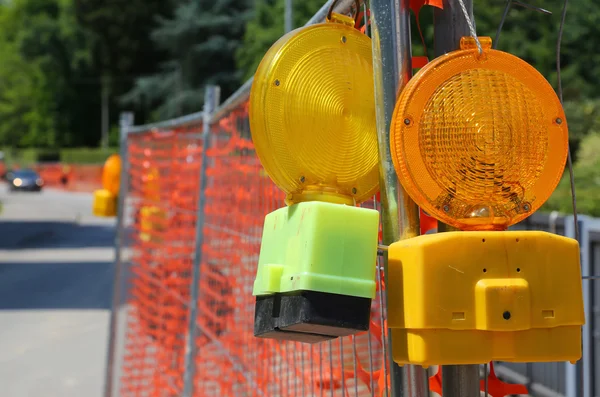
{"points": [[55, 293]]}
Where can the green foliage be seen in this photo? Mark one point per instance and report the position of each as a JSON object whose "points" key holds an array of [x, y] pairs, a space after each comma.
{"points": [[121, 50], [586, 124], [86, 155], [532, 36], [30, 156], [157, 56], [42, 51], [266, 26], [200, 38], [54, 56]]}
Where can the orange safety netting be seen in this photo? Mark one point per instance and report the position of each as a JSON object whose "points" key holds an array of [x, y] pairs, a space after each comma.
{"points": [[164, 184]]}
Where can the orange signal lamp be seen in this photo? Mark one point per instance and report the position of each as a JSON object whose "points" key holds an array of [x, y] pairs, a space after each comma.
{"points": [[111, 174], [312, 119], [479, 141], [105, 199]]}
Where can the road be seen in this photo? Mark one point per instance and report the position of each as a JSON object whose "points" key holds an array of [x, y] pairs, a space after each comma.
{"points": [[55, 293]]}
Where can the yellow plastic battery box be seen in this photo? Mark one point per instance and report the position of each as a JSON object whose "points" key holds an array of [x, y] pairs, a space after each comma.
{"points": [[475, 297]]}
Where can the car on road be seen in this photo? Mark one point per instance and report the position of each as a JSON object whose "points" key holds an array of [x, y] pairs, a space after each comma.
{"points": [[24, 180]]}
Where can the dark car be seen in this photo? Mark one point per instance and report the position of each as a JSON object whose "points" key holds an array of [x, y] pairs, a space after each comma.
{"points": [[24, 180]]}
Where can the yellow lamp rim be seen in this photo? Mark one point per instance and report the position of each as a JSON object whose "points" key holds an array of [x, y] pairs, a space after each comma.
{"points": [[266, 76], [412, 103]]}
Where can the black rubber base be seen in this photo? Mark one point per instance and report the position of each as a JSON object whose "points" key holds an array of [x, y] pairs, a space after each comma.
{"points": [[309, 316]]}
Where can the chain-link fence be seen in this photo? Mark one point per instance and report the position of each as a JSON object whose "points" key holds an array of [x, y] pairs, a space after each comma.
{"points": [[194, 197], [189, 239]]}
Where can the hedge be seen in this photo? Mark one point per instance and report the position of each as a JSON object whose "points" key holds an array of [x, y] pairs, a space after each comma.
{"points": [[71, 156]]}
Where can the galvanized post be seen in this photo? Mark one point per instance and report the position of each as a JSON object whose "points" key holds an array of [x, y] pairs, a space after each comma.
{"points": [[449, 26], [392, 68], [578, 376], [211, 101], [289, 14], [460, 381], [118, 280]]}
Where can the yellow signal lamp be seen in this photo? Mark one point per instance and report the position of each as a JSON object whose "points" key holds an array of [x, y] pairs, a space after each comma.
{"points": [[312, 119], [479, 141], [105, 199], [312, 114]]}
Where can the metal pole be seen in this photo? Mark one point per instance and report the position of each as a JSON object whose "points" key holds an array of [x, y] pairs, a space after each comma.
{"points": [[450, 26], [118, 283], [460, 381], [392, 68], [289, 13], [578, 376], [105, 117], [211, 102]]}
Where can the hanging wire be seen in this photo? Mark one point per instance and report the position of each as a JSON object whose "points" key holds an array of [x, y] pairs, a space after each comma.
{"points": [[560, 96], [471, 25], [509, 4]]}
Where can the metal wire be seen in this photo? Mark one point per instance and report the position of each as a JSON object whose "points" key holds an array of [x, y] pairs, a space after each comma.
{"points": [[312, 370], [355, 364], [370, 349], [342, 365], [471, 25], [331, 366], [486, 379], [382, 309], [560, 96], [321, 367], [509, 4]]}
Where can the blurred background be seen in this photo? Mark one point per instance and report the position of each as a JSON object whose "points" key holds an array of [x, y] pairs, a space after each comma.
{"points": [[69, 68]]}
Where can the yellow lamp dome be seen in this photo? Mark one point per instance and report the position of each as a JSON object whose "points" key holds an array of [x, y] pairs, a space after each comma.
{"points": [[312, 114]]}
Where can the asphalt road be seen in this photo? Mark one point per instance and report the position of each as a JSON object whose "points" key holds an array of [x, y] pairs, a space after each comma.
{"points": [[55, 293]]}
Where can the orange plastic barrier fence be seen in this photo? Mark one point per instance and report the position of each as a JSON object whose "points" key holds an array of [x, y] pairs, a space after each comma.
{"points": [[84, 177], [164, 184]]}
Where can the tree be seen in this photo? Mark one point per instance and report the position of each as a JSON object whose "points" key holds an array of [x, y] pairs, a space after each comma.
{"points": [[586, 123], [532, 36], [266, 26], [121, 48], [200, 38], [44, 50]]}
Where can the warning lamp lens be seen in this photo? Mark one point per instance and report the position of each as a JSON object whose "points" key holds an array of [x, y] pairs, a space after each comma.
{"points": [[479, 141], [111, 174], [312, 115]]}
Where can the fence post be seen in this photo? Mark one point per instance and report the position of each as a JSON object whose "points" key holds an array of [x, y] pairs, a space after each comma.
{"points": [[211, 101], [450, 25], [126, 122], [578, 376], [392, 68]]}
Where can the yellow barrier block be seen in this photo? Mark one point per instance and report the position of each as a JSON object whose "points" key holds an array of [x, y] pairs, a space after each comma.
{"points": [[475, 297], [105, 203]]}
